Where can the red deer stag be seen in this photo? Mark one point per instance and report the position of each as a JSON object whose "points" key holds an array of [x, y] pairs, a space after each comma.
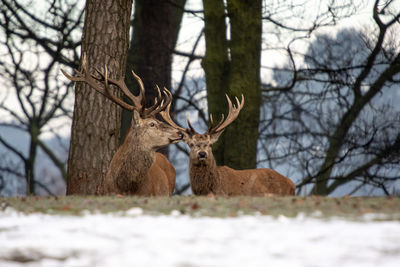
{"points": [[208, 178], [136, 168]]}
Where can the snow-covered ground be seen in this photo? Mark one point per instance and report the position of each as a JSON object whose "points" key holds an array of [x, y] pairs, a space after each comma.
{"points": [[134, 239]]}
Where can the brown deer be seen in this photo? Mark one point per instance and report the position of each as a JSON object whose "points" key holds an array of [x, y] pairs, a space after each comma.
{"points": [[136, 168], [208, 178]]}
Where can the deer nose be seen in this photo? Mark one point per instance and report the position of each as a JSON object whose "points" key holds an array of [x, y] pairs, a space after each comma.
{"points": [[202, 154]]}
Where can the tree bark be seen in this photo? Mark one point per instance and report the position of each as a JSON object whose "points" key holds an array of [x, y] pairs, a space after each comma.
{"points": [[96, 121], [155, 31], [216, 66], [245, 48]]}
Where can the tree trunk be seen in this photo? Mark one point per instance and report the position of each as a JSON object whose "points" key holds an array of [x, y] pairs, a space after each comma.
{"points": [[155, 31], [216, 66], [30, 168], [34, 132], [96, 121], [245, 47]]}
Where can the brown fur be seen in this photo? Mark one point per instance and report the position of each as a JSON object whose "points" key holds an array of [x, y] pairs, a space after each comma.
{"points": [[207, 178], [136, 169]]}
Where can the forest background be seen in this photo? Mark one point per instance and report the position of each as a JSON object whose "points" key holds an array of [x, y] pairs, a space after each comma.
{"points": [[320, 79]]}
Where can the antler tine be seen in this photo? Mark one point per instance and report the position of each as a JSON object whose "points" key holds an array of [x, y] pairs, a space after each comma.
{"points": [[165, 114], [211, 122], [234, 111], [120, 83], [191, 130], [141, 97], [157, 100], [168, 97], [240, 104], [90, 79], [211, 128], [159, 103], [82, 76]]}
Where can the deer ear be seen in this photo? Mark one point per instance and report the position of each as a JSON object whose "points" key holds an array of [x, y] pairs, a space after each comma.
{"points": [[136, 119], [214, 136]]}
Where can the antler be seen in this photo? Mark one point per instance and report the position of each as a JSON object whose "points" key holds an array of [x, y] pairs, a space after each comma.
{"points": [[233, 114], [139, 101], [159, 103], [165, 114]]}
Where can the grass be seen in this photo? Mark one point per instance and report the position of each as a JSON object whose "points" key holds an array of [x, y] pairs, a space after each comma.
{"points": [[349, 207]]}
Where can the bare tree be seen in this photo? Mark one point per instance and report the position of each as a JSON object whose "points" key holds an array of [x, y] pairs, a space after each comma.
{"points": [[33, 96], [334, 123]]}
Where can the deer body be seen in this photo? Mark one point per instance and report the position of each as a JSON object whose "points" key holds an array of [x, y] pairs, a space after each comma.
{"points": [[208, 178], [136, 168], [158, 179], [223, 180]]}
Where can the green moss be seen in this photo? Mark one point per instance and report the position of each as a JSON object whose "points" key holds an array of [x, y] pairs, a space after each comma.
{"points": [[244, 78]]}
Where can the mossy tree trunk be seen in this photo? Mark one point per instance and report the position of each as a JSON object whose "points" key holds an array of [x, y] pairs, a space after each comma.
{"points": [[245, 47], [154, 34], [96, 120], [216, 66], [239, 75]]}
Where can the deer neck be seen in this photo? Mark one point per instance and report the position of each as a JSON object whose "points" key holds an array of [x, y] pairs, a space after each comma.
{"points": [[136, 152], [204, 177], [131, 163]]}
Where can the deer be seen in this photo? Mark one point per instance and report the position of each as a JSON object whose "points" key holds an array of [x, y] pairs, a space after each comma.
{"points": [[136, 168], [206, 178]]}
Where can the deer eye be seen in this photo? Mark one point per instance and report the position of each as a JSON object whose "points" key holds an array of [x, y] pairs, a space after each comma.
{"points": [[191, 145], [152, 124]]}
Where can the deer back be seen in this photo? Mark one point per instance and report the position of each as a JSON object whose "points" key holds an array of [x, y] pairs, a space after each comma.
{"points": [[254, 182]]}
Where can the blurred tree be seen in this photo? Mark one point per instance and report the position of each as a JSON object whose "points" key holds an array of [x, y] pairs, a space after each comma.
{"points": [[155, 31], [244, 78], [233, 68], [34, 43], [96, 121], [216, 65], [335, 123]]}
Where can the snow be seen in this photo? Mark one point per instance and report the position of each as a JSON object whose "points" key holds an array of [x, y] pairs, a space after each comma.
{"points": [[136, 239]]}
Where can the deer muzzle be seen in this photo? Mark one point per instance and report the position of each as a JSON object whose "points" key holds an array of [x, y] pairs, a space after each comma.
{"points": [[202, 155], [179, 137]]}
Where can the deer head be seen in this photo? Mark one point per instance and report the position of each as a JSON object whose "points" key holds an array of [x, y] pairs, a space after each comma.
{"points": [[201, 144], [154, 133]]}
